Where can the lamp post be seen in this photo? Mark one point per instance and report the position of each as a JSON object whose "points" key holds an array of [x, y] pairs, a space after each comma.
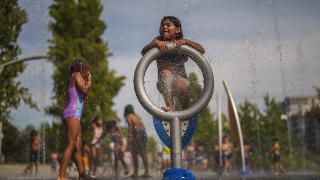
{"points": [[12, 62], [30, 58], [1, 136]]}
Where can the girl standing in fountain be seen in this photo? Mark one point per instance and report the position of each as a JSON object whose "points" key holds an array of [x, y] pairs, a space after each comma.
{"points": [[78, 86], [96, 134], [137, 140], [275, 151], [35, 148], [227, 152], [172, 76]]}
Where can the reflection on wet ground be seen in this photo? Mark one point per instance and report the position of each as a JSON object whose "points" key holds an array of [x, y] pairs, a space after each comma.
{"points": [[199, 176]]}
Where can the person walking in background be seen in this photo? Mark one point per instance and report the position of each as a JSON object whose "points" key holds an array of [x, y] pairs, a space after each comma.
{"points": [[96, 130], [191, 155], [35, 148], [79, 83], [54, 162], [227, 152], [117, 138], [201, 161], [275, 151], [137, 140], [159, 164], [247, 152]]}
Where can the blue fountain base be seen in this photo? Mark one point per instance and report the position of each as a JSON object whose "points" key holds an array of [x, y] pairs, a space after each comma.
{"points": [[178, 174], [244, 173]]}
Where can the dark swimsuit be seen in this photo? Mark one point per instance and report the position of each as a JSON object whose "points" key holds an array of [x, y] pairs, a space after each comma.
{"points": [[140, 135], [276, 158], [34, 156]]}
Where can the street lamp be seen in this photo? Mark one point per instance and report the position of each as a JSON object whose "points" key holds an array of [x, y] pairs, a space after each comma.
{"points": [[31, 58], [2, 66]]}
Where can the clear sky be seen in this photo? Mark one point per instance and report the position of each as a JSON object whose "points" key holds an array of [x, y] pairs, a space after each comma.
{"points": [[243, 41]]}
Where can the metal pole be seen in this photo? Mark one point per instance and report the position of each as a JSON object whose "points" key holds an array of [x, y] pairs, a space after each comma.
{"points": [[289, 139], [1, 136], [2, 66], [31, 58], [244, 168], [238, 124], [44, 145], [175, 130], [43, 116], [220, 130]]}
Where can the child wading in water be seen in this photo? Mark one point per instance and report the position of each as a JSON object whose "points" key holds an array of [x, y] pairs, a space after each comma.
{"points": [[172, 76]]}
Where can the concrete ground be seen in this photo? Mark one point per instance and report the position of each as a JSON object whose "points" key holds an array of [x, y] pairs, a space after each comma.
{"points": [[14, 172]]}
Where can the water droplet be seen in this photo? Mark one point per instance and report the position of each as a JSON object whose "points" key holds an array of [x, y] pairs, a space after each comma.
{"points": [[186, 6]]}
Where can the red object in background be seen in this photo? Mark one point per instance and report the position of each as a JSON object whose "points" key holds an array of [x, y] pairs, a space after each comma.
{"points": [[233, 122]]}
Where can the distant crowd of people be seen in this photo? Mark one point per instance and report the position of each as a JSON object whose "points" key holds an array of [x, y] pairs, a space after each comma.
{"points": [[193, 156]]}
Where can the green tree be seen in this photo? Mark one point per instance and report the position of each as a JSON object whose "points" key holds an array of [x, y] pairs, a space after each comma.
{"points": [[313, 118], [315, 111], [76, 33], [54, 138], [12, 17], [207, 129], [15, 144], [250, 117], [272, 125], [259, 128]]}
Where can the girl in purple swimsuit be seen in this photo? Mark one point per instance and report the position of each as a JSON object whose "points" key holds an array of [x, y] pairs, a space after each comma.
{"points": [[78, 86]]}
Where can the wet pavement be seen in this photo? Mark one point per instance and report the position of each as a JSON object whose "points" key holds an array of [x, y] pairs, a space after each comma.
{"points": [[200, 176]]}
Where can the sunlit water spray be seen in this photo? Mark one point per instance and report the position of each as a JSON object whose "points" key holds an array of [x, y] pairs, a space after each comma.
{"points": [[151, 79], [278, 44], [282, 75], [301, 63]]}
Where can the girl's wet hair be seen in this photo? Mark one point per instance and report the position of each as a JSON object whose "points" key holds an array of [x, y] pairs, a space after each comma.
{"points": [[176, 22], [128, 110], [225, 137], [110, 125], [33, 133], [95, 120], [76, 66], [80, 66]]}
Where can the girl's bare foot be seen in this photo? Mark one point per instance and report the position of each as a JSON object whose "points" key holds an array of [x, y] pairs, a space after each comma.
{"points": [[86, 177], [126, 172], [146, 176], [61, 178]]}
